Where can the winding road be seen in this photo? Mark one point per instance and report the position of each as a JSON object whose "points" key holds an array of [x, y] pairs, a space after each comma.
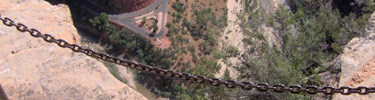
{"points": [[146, 10], [156, 10]]}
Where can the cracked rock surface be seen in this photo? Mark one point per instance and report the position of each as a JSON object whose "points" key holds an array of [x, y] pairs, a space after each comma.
{"points": [[33, 69]]}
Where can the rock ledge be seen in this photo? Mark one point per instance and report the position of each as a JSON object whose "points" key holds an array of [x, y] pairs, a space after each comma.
{"points": [[33, 69]]}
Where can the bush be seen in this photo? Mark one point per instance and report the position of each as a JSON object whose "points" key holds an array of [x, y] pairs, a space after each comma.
{"points": [[169, 25], [231, 51], [205, 16], [217, 54], [210, 39], [178, 6], [191, 49], [101, 23], [312, 36]]}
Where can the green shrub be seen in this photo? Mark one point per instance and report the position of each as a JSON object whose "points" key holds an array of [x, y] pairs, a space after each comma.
{"points": [[178, 6]]}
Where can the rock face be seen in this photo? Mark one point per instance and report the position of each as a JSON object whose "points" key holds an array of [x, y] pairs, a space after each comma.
{"points": [[33, 69], [358, 64]]}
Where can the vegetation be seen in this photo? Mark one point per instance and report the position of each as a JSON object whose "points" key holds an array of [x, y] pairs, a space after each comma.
{"points": [[101, 23], [155, 26], [231, 51], [178, 6], [312, 34], [190, 54], [143, 22]]}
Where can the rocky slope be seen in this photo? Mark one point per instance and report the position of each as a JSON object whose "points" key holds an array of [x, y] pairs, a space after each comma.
{"points": [[33, 69], [358, 64], [232, 37]]}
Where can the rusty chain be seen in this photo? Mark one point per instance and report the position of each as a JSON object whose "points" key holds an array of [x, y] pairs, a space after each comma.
{"points": [[295, 89]]}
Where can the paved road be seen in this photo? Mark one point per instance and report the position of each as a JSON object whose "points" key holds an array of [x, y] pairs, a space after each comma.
{"points": [[146, 10], [163, 19], [130, 20]]}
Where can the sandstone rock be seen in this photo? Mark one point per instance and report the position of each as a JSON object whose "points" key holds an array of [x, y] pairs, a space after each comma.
{"points": [[33, 69], [358, 64]]}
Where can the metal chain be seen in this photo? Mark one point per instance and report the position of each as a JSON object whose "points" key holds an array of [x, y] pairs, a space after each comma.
{"points": [[295, 89]]}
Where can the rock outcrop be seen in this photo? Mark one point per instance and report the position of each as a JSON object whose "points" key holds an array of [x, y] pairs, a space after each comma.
{"points": [[33, 69], [358, 64]]}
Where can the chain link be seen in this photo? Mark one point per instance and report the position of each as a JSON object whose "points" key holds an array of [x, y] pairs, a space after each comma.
{"points": [[295, 89]]}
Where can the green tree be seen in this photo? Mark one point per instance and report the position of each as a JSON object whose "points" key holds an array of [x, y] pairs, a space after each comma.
{"points": [[155, 25], [143, 21], [231, 51], [205, 16], [101, 23], [210, 39], [169, 25], [227, 75], [178, 6]]}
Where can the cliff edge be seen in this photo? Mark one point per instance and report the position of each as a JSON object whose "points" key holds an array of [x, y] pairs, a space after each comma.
{"points": [[33, 69]]}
